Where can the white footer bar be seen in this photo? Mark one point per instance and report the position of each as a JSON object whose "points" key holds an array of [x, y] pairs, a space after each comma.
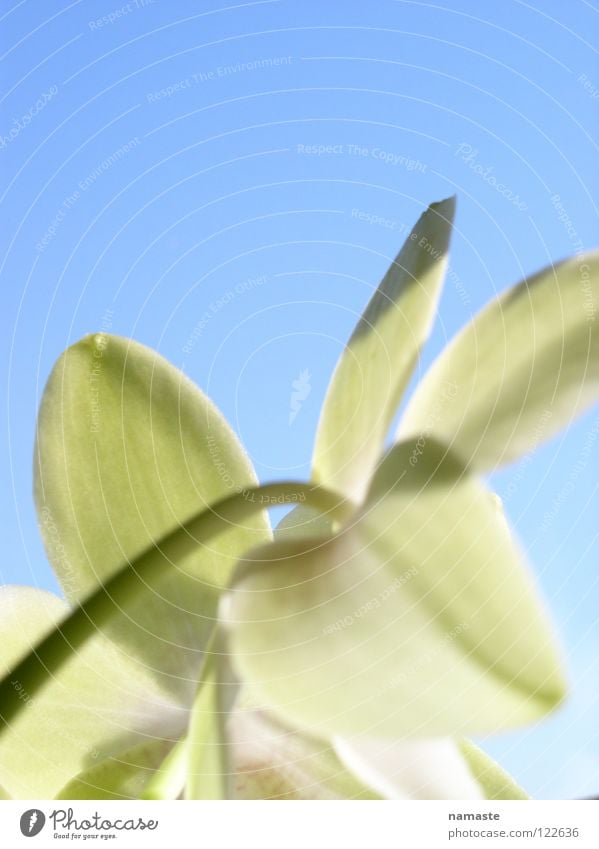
{"points": [[301, 825]]}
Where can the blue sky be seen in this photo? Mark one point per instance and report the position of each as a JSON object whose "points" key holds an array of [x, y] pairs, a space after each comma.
{"points": [[250, 170]]}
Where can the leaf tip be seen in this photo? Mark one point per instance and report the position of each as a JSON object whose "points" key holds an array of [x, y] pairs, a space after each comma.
{"points": [[446, 207]]}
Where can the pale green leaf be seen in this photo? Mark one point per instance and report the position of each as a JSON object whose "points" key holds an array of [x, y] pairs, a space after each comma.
{"points": [[418, 619], [377, 363], [99, 704], [497, 784], [123, 776], [411, 769], [518, 372], [127, 450]]}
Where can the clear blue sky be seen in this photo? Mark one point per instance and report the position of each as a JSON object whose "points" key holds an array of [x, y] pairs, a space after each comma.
{"points": [[156, 154]]}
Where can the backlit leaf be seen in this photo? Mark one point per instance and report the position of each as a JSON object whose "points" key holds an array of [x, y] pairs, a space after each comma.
{"points": [[377, 363], [127, 450], [518, 372], [418, 619]]}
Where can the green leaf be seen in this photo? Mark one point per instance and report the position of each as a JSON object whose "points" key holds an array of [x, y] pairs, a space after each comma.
{"points": [[418, 619], [411, 769], [495, 781], [276, 761], [518, 372], [128, 449], [377, 363], [99, 704], [123, 776]]}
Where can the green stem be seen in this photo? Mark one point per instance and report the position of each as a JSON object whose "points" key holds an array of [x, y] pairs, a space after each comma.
{"points": [[169, 779], [209, 761], [200, 763], [55, 649]]}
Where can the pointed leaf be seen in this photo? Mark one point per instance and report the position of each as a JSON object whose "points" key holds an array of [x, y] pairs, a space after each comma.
{"points": [[127, 450], [518, 372], [376, 365], [495, 781], [418, 619]]}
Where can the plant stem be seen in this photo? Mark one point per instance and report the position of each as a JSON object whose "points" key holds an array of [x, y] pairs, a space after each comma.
{"points": [[169, 779], [55, 649], [200, 763], [209, 756]]}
